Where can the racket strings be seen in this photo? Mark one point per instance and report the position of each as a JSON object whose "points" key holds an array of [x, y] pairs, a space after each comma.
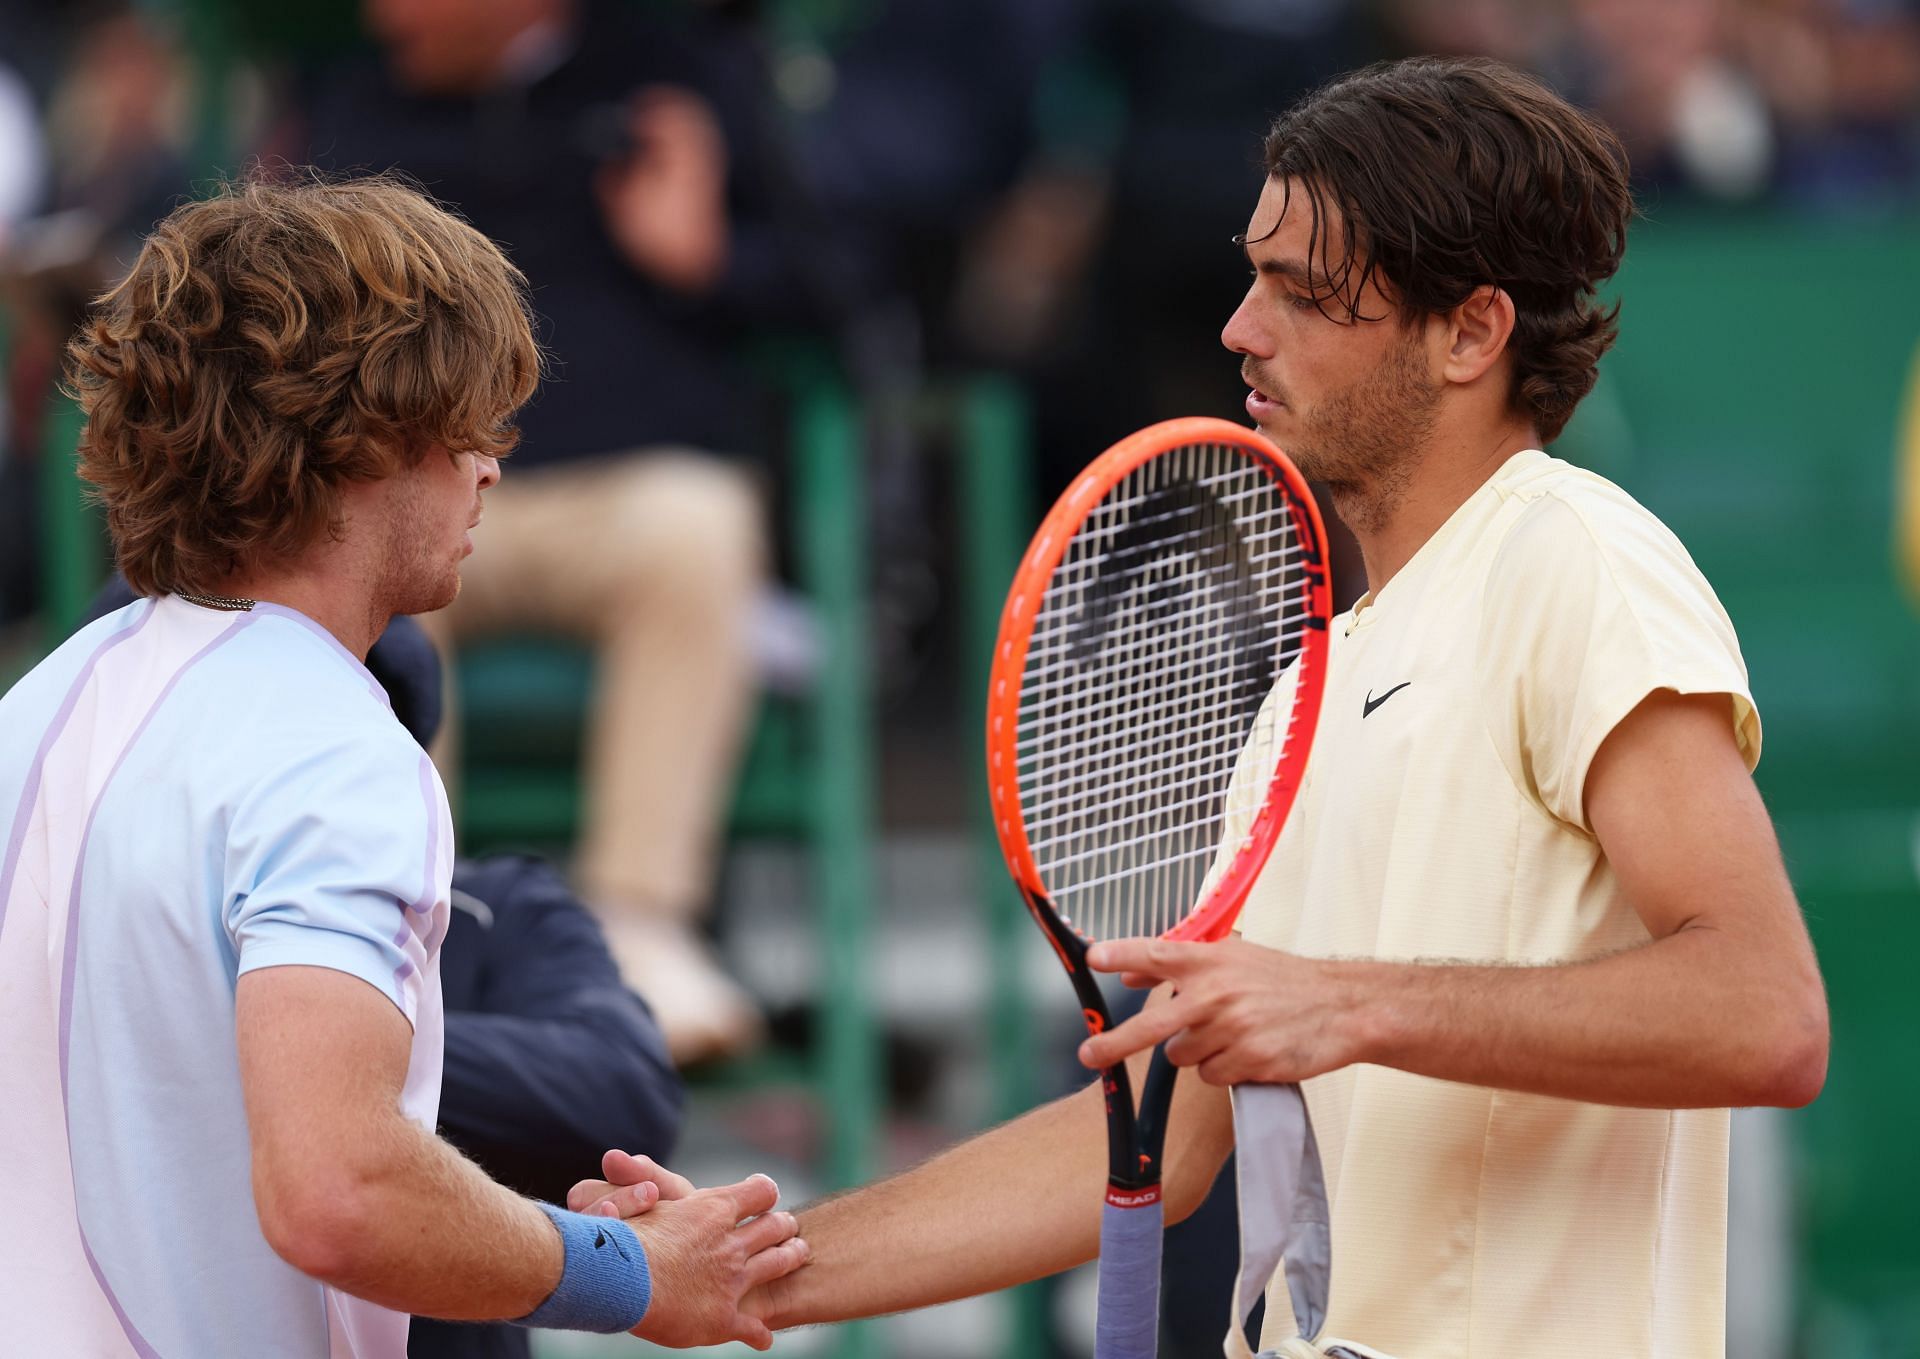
{"points": [[1258, 615], [1174, 540], [1173, 615], [1058, 732], [1199, 787]]}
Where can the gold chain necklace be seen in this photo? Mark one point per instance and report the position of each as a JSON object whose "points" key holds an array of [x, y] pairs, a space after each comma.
{"points": [[225, 602]]}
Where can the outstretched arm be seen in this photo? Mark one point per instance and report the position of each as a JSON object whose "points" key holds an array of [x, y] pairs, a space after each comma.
{"points": [[1016, 1203], [1724, 1007]]}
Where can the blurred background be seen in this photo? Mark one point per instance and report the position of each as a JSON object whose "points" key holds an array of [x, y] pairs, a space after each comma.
{"points": [[962, 245]]}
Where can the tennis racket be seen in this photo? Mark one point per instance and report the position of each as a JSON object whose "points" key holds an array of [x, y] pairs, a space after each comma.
{"points": [[1167, 627]]}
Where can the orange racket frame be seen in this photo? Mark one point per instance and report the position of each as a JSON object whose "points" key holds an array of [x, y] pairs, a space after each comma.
{"points": [[1214, 916]]}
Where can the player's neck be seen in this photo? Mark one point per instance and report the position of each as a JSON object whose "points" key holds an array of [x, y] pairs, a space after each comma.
{"points": [[328, 587], [1440, 483]]}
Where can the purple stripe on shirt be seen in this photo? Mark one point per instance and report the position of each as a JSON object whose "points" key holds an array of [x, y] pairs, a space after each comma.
{"points": [[140, 1344], [433, 805], [30, 793], [428, 897], [425, 901]]}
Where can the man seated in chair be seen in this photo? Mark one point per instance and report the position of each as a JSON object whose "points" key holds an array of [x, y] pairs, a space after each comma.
{"points": [[610, 155]]}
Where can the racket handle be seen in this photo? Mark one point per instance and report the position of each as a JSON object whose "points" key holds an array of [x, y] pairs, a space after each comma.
{"points": [[1127, 1324]]}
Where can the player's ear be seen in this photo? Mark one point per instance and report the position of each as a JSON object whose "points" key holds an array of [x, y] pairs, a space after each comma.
{"points": [[1478, 332]]}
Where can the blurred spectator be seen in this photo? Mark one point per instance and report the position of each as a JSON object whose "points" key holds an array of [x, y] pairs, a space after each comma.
{"points": [[1000, 144], [20, 176], [1199, 81], [613, 151], [908, 118], [21, 159], [1110, 267], [913, 116], [1665, 76], [1814, 101], [1055, 185], [119, 125], [114, 161], [1843, 80], [1062, 204]]}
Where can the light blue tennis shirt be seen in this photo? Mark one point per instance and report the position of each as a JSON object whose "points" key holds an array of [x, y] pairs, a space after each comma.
{"points": [[188, 795]]}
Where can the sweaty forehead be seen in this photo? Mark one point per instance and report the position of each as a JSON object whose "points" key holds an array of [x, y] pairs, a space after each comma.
{"points": [[1283, 221], [1297, 232]]}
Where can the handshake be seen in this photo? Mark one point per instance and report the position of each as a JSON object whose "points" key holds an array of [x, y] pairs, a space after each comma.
{"points": [[715, 1255]]}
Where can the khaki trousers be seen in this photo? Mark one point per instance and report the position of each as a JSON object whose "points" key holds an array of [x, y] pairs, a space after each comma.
{"points": [[653, 559]]}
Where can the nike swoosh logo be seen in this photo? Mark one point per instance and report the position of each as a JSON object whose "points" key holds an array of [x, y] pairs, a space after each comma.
{"points": [[1366, 709]]}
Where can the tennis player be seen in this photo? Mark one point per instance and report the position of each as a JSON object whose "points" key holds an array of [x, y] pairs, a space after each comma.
{"points": [[226, 873], [1526, 935]]}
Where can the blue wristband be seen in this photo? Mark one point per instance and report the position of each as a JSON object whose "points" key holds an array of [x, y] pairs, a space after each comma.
{"points": [[604, 1284]]}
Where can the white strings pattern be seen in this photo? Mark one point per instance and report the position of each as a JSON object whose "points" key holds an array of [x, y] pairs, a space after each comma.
{"points": [[1169, 620]]}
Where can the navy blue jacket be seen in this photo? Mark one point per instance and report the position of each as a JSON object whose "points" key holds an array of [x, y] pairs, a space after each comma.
{"points": [[550, 1060]]}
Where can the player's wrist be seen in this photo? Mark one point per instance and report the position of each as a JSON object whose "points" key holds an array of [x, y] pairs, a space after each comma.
{"points": [[605, 1284], [1369, 1014]]}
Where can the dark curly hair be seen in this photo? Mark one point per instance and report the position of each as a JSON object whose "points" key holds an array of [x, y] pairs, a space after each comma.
{"points": [[275, 342], [1454, 173]]}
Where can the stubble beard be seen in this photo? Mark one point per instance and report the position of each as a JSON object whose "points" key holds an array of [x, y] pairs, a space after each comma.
{"points": [[1365, 442], [416, 575]]}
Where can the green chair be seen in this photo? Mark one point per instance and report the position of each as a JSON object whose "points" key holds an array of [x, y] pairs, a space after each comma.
{"points": [[73, 556], [994, 475]]}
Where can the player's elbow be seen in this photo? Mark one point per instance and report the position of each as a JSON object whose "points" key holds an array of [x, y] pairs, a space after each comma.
{"points": [[1793, 1066], [1801, 1068], [318, 1223]]}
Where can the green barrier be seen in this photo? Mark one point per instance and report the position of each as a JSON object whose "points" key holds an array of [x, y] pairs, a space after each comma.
{"points": [[993, 475], [1753, 399], [73, 557]]}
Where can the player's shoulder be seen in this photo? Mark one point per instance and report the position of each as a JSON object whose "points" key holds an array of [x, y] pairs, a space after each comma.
{"points": [[1565, 516], [35, 697], [290, 696], [291, 658], [328, 765]]}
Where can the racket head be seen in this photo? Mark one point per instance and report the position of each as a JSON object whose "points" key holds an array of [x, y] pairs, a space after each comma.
{"points": [[1175, 597]]}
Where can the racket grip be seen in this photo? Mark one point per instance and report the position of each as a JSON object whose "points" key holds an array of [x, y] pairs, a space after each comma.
{"points": [[1127, 1324]]}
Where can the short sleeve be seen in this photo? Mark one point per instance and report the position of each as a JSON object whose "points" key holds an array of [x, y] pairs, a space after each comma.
{"points": [[1589, 609], [340, 859]]}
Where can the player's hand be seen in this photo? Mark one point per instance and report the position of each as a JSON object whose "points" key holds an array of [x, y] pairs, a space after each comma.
{"points": [[772, 1302], [1239, 1013], [633, 1184], [706, 1252], [665, 204]]}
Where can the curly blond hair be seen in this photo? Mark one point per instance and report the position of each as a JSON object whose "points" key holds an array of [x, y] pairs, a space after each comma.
{"points": [[275, 342]]}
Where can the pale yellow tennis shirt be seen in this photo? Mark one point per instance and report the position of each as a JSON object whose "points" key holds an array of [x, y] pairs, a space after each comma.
{"points": [[1442, 818]]}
